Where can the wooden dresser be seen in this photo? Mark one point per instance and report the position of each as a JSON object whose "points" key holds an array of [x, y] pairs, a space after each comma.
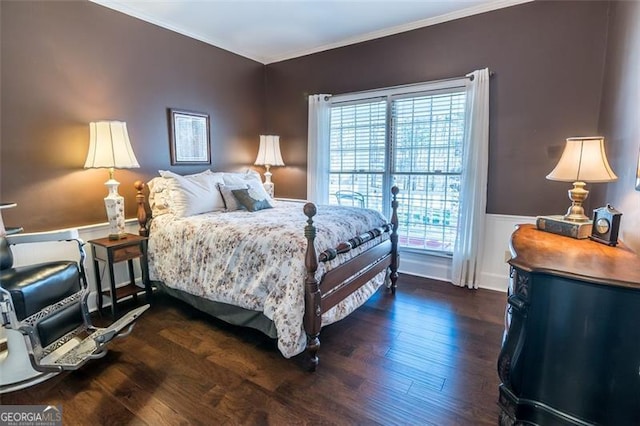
{"points": [[571, 349]]}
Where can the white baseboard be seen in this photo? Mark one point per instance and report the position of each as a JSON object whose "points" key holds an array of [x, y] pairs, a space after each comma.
{"points": [[437, 268], [426, 266], [492, 281], [494, 271]]}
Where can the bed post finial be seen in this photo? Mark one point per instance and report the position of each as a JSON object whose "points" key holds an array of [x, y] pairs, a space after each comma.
{"points": [[312, 297], [142, 211], [394, 240]]}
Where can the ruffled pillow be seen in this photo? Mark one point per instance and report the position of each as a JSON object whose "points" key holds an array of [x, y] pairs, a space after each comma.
{"points": [[159, 196]]}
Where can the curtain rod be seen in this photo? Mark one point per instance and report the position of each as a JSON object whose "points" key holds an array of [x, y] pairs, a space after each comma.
{"points": [[403, 86]]}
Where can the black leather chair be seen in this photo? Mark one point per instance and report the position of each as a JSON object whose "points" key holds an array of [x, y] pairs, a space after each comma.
{"points": [[35, 287], [44, 314]]}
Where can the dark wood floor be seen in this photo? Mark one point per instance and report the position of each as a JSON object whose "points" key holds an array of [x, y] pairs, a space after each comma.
{"points": [[427, 356]]}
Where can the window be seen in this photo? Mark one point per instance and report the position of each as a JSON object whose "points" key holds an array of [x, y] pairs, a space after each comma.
{"points": [[412, 139]]}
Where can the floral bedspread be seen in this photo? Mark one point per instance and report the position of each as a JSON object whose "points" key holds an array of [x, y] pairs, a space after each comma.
{"points": [[255, 260]]}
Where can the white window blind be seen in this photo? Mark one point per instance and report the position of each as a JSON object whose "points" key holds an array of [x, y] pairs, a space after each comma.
{"points": [[412, 140], [427, 134], [358, 153]]}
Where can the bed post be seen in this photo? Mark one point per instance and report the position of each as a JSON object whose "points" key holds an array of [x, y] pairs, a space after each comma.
{"points": [[142, 211], [312, 297], [394, 240]]}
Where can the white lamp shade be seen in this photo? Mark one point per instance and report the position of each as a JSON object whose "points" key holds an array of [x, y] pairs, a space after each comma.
{"points": [[269, 151], [583, 159], [109, 146]]}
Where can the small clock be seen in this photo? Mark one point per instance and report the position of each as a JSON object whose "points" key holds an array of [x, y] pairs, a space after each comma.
{"points": [[606, 224]]}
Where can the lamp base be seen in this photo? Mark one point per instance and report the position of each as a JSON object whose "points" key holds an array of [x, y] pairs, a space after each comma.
{"points": [[577, 195], [268, 185], [114, 204], [268, 188], [579, 217]]}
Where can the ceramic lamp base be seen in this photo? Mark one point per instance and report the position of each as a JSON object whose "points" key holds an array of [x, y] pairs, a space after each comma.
{"points": [[114, 204], [268, 185]]}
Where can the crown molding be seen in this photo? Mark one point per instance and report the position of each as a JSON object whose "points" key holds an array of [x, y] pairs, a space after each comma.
{"points": [[475, 10]]}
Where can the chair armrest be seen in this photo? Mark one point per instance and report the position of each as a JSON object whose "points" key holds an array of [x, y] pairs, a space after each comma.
{"points": [[40, 237]]}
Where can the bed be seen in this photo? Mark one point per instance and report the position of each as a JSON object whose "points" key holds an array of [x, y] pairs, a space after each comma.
{"points": [[286, 268]]}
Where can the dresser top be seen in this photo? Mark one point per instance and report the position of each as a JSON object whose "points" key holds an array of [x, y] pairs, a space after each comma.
{"points": [[539, 251]]}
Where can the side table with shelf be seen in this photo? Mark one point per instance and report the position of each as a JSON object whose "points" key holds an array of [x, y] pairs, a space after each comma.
{"points": [[113, 251]]}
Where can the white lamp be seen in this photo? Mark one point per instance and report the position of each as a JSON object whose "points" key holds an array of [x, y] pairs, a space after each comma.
{"points": [[583, 160], [269, 155], [109, 147]]}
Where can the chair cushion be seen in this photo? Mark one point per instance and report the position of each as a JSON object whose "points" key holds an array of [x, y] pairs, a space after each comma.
{"points": [[57, 325], [34, 287]]}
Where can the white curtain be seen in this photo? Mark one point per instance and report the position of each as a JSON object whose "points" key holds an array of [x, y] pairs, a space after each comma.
{"points": [[318, 149], [467, 254]]}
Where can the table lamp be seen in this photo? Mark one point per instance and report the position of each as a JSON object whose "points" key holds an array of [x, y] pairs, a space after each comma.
{"points": [[269, 155], [109, 147], [583, 160]]}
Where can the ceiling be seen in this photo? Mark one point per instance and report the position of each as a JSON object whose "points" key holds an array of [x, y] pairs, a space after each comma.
{"points": [[274, 30]]}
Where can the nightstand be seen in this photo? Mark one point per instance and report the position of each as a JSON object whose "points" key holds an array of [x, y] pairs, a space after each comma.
{"points": [[113, 251]]}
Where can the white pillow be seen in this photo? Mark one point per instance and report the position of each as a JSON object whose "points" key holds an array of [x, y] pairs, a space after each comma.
{"points": [[194, 194], [217, 175], [252, 180], [238, 178]]}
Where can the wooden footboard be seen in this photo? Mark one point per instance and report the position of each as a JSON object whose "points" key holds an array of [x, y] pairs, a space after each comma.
{"points": [[335, 285], [343, 280]]}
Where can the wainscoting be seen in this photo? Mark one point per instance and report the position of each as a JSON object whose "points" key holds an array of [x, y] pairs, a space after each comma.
{"points": [[494, 271]]}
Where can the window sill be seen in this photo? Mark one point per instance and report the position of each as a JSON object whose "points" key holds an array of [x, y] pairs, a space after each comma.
{"points": [[424, 252]]}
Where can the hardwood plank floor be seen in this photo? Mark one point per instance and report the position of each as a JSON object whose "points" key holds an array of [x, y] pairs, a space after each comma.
{"points": [[426, 356]]}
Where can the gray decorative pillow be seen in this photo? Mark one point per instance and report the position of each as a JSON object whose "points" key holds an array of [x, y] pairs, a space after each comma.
{"points": [[251, 204], [230, 201]]}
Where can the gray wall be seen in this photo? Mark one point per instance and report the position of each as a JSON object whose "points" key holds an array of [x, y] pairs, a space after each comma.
{"points": [[620, 115], [548, 59], [65, 64]]}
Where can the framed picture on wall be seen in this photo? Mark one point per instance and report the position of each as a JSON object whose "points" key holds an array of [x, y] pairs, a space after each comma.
{"points": [[189, 137]]}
